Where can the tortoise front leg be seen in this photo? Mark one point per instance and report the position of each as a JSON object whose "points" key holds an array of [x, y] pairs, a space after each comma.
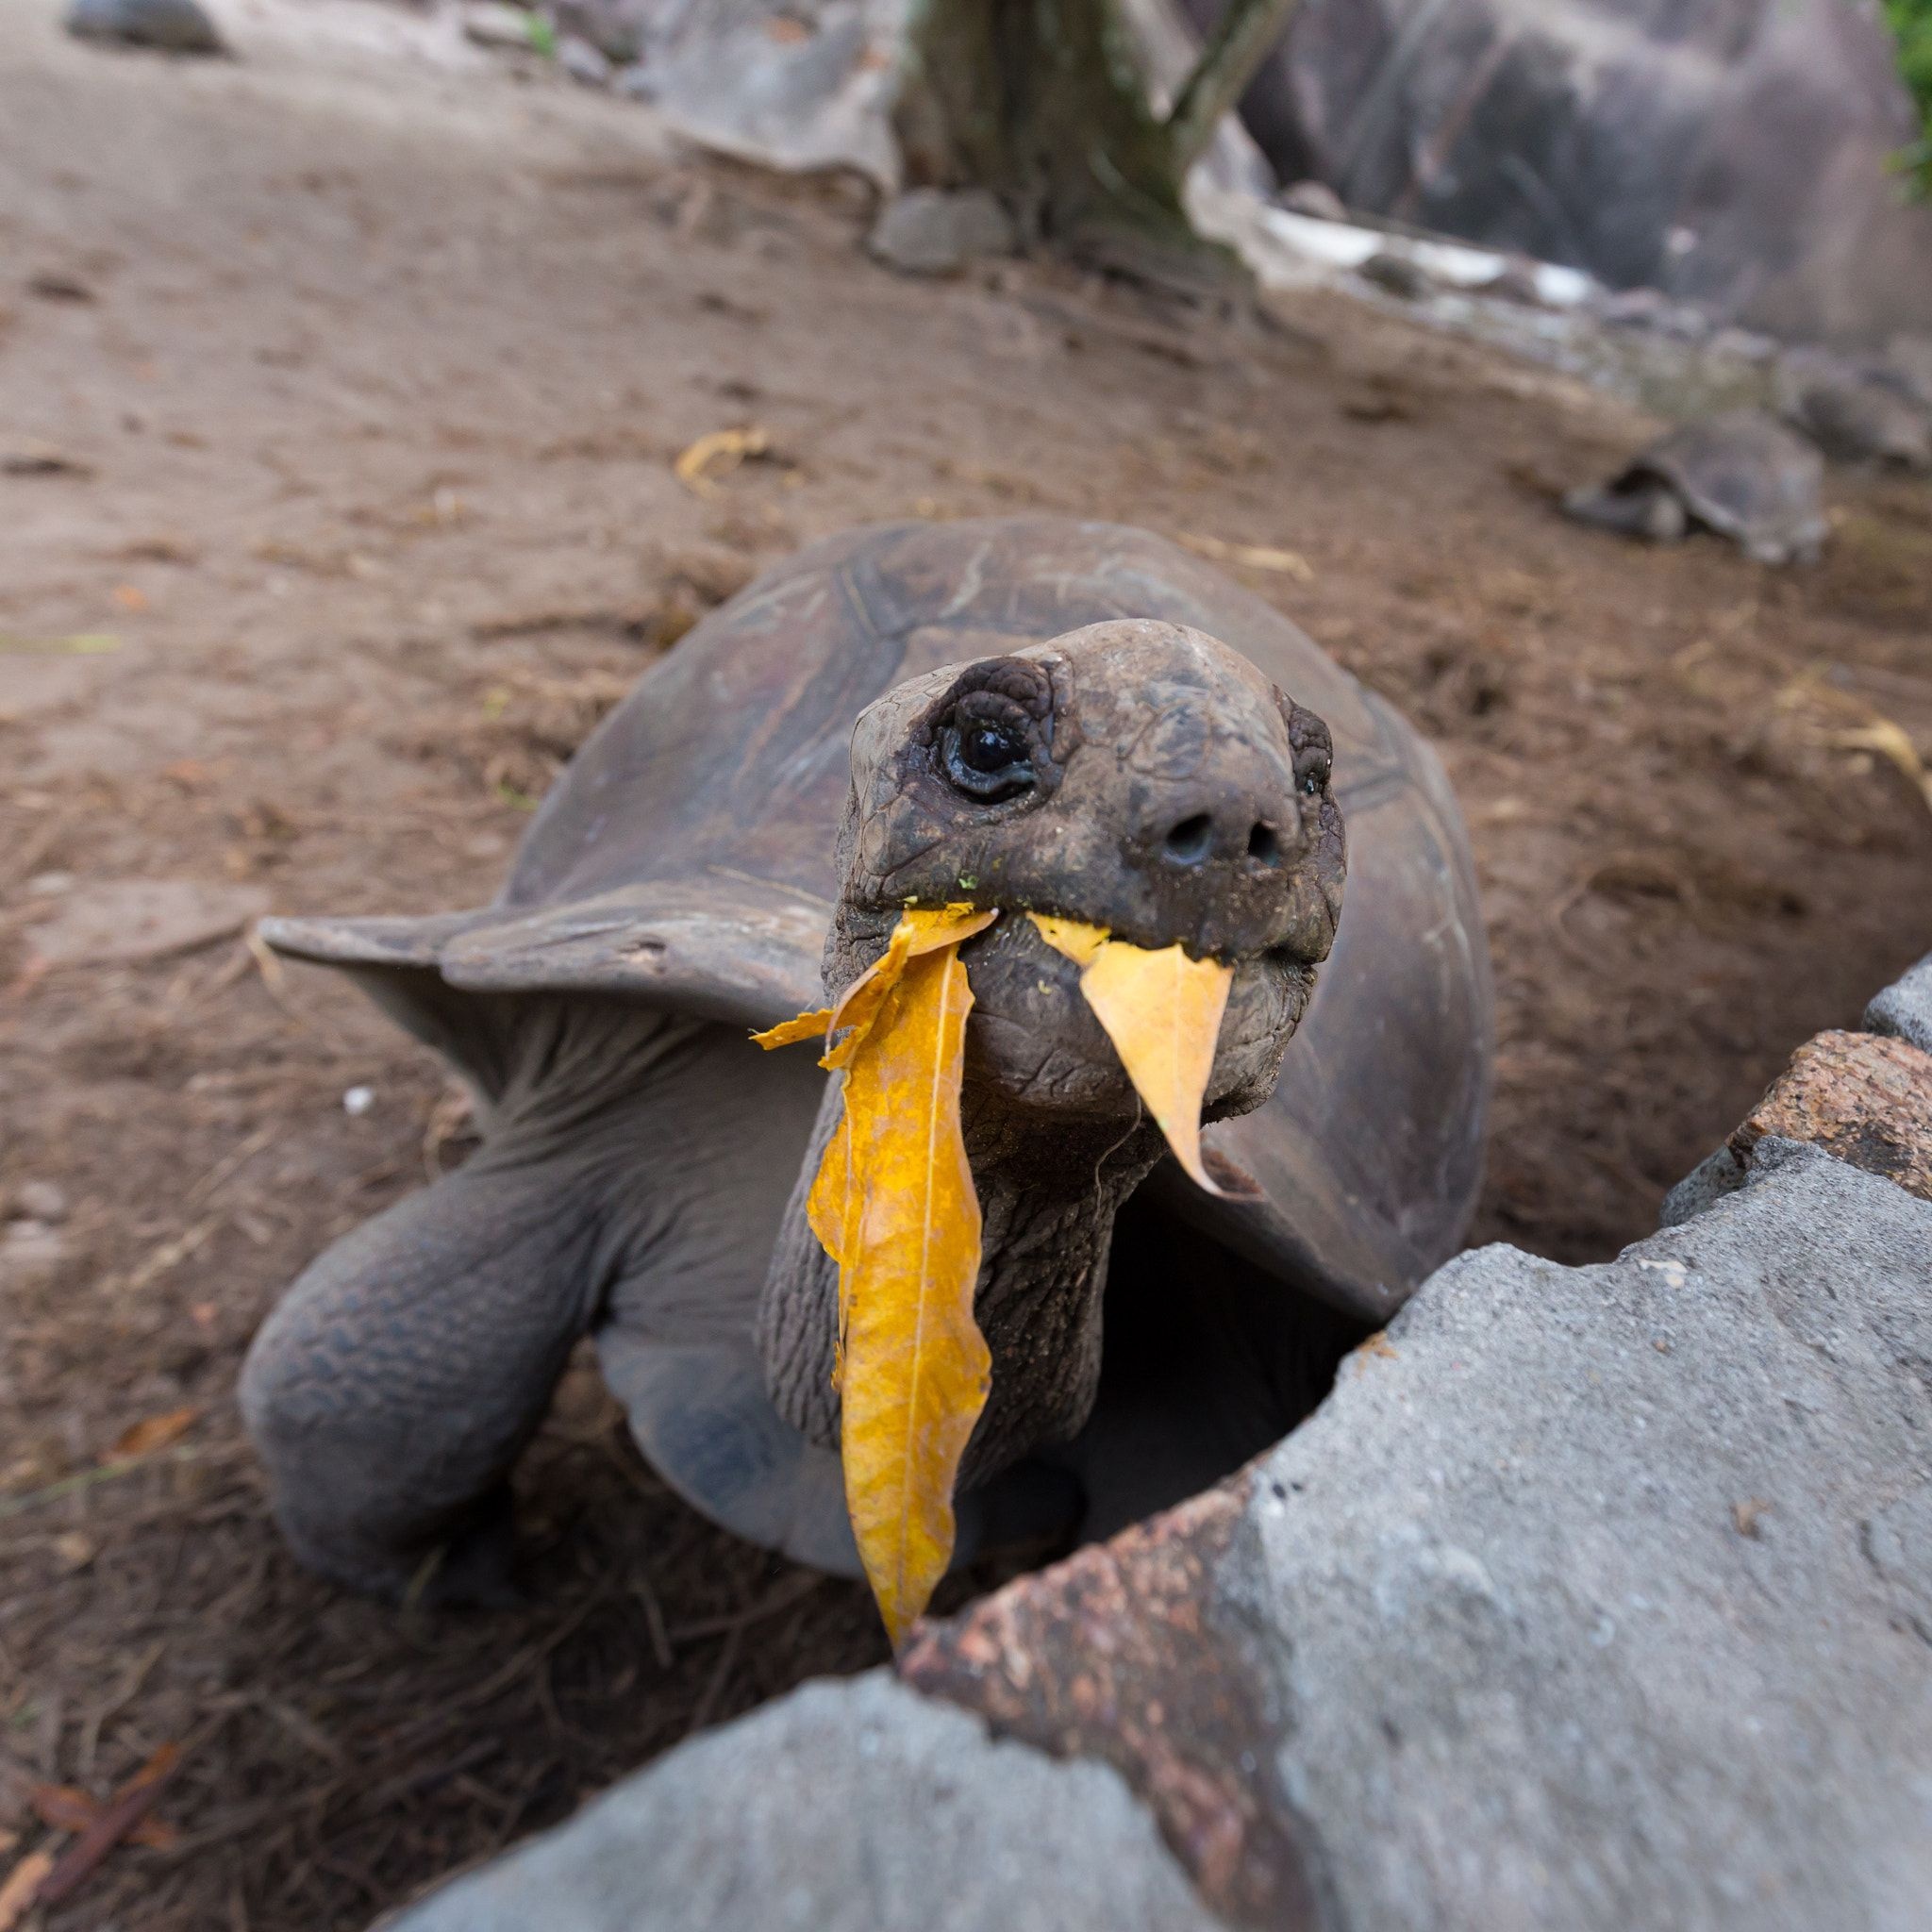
{"points": [[397, 1381]]}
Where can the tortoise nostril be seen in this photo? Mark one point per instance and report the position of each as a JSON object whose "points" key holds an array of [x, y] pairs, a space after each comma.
{"points": [[1263, 846], [1190, 841]]}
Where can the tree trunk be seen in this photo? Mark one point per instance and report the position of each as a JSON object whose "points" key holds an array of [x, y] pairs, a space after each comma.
{"points": [[1044, 102]]}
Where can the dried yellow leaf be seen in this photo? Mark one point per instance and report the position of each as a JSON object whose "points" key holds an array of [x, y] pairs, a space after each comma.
{"points": [[902, 1207], [790, 1032], [1255, 556], [920, 930], [1162, 1011], [718, 453], [893, 1204]]}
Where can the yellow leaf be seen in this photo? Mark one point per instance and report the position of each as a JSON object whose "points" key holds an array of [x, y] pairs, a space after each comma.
{"points": [[153, 1432], [788, 1032], [1162, 1011], [1888, 740], [898, 1200], [1081, 943], [920, 930], [719, 452], [893, 1204], [1255, 556]]}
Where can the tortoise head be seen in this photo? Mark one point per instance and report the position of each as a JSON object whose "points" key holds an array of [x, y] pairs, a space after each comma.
{"points": [[1134, 775]]}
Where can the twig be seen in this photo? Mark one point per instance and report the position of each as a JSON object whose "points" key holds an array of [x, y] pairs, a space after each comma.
{"points": [[787, 1593], [23, 1888], [654, 1621], [727, 1655], [228, 1165], [1241, 40], [87, 1478], [131, 1805]]}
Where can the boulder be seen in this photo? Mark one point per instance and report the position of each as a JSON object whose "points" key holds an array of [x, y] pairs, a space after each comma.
{"points": [[936, 231], [1733, 153], [845, 1807]]}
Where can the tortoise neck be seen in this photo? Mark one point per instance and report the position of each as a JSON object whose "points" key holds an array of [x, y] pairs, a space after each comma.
{"points": [[1048, 1194]]}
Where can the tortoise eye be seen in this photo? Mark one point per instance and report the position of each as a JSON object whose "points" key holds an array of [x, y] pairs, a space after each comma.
{"points": [[989, 758]]}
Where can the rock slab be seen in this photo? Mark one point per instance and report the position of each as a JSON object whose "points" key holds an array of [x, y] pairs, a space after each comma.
{"points": [[844, 1807]]}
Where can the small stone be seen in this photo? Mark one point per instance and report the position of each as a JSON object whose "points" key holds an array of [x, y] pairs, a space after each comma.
{"points": [[1904, 1008], [618, 29], [494, 24], [1632, 308], [636, 82], [1396, 275], [357, 1101], [583, 62], [170, 26], [49, 885], [933, 231], [74, 1550], [1518, 281], [30, 1251], [41, 1201], [1315, 199]]}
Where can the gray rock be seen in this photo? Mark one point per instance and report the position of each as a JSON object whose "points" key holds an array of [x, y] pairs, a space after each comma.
{"points": [[1734, 153], [496, 24], [30, 1253], [1904, 1008], [1398, 275], [1573, 1596], [1315, 199], [41, 1201], [621, 30], [799, 85], [170, 26], [583, 62], [847, 1807], [1707, 1183], [932, 231]]}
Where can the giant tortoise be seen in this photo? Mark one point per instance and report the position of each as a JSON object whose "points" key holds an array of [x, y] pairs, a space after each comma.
{"points": [[1070, 717]]}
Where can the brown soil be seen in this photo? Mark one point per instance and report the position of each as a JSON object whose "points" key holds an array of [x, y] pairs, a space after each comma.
{"points": [[368, 379]]}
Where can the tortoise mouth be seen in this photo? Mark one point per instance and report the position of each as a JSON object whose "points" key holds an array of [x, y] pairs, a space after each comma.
{"points": [[1033, 1037]]}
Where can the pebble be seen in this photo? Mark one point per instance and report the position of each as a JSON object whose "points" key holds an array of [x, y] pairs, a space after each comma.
{"points": [[494, 24], [171, 26], [1398, 275], [583, 62], [40, 1201], [357, 1101], [933, 231], [1315, 199]]}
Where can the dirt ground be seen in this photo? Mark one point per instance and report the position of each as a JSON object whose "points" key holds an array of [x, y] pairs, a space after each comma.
{"points": [[338, 399]]}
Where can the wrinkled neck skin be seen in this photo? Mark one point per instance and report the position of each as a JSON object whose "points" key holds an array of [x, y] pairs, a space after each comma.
{"points": [[1049, 1190], [663, 1145]]}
